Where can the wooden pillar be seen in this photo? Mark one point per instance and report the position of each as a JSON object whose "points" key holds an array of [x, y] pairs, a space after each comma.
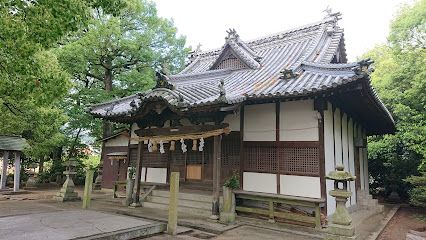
{"points": [[321, 105], [17, 174], [217, 142], [242, 146], [136, 202], [4, 169]]}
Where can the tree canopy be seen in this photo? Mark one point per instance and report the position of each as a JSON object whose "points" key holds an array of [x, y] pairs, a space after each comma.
{"points": [[58, 57], [400, 79]]}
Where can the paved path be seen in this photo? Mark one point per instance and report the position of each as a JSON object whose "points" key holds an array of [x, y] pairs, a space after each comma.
{"points": [[68, 224]]}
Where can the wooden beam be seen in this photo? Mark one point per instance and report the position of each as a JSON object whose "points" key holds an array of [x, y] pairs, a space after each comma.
{"points": [[172, 131]]}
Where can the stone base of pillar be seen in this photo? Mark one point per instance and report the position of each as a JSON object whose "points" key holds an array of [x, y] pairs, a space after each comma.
{"points": [[67, 192], [227, 217], [340, 232]]}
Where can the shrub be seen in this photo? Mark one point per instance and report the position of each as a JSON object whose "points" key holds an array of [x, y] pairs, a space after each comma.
{"points": [[233, 182]]}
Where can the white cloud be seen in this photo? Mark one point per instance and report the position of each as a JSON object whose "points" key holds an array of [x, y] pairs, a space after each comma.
{"points": [[366, 22]]}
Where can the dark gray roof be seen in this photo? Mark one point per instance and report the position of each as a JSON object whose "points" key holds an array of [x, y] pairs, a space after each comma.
{"points": [[12, 143], [307, 51]]}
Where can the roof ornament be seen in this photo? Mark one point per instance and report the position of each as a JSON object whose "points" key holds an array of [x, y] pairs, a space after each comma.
{"points": [[336, 16], [232, 34], [222, 92], [364, 67], [288, 74], [133, 105], [163, 79]]}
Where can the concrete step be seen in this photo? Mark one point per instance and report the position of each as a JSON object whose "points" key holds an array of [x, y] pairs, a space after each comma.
{"points": [[186, 196], [182, 202], [181, 209]]}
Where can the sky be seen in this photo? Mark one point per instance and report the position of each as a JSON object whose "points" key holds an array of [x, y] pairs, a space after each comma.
{"points": [[365, 22]]}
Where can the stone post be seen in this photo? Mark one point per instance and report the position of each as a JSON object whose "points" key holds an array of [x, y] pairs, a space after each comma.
{"points": [[88, 188], [228, 215], [4, 169], [129, 186], [17, 175], [341, 227], [173, 203]]}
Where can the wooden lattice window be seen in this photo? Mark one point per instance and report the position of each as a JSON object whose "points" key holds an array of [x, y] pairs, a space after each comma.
{"points": [[155, 158], [230, 154], [133, 156], [261, 158], [299, 160]]}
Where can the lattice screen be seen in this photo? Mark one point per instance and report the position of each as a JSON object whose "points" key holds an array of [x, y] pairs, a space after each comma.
{"points": [[261, 159], [230, 154], [133, 156], [231, 62], [299, 161], [292, 159], [155, 158]]}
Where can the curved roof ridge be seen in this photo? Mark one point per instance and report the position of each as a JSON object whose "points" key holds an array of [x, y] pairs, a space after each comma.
{"points": [[117, 100], [272, 37]]}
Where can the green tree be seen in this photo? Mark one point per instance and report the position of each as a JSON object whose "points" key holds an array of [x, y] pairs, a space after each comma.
{"points": [[32, 82], [115, 56], [400, 79]]}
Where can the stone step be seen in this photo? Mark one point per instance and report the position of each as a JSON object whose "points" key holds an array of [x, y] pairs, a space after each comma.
{"points": [[181, 209], [187, 196], [182, 202]]}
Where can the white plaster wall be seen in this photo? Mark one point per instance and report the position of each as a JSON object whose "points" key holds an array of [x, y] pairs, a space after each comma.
{"points": [[338, 137], [300, 186], [260, 182], [133, 135], [298, 121], [233, 120], [329, 156], [351, 160], [259, 122], [143, 173], [118, 141], [156, 175]]}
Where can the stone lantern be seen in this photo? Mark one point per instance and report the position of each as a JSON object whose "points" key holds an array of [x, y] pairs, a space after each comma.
{"points": [[32, 181], [67, 192], [341, 222]]}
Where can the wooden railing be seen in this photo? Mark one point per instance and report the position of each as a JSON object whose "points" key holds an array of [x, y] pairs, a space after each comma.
{"points": [[271, 212]]}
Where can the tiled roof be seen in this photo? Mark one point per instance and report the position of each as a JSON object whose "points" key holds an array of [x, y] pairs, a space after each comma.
{"points": [[12, 143], [307, 51]]}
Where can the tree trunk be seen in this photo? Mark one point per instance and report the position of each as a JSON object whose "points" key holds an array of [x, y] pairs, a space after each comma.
{"points": [[107, 126], [41, 165]]}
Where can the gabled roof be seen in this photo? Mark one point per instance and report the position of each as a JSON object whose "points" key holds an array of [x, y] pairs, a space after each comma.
{"points": [[12, 143], [235, 47], [306, 51]]}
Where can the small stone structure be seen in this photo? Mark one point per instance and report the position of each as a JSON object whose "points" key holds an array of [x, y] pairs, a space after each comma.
{"points": [[67, 192], [32, 181], [341, 227]]}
